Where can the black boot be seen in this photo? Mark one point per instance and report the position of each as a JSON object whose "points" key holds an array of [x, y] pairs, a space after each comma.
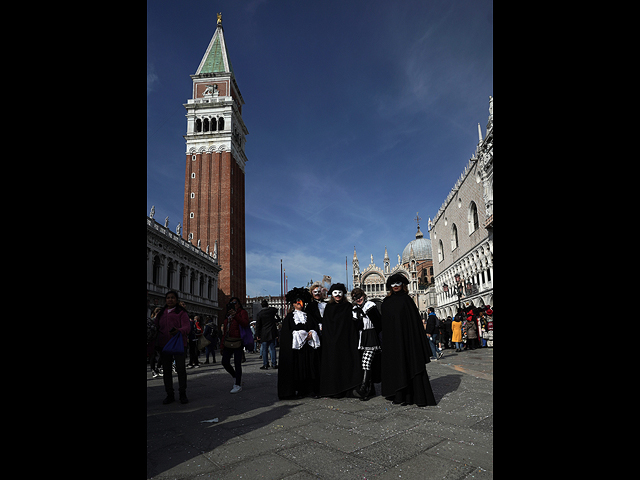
{"points": [[363, 391]]}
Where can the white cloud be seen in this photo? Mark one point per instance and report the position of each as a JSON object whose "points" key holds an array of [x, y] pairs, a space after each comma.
{"points": [[300, 264]]}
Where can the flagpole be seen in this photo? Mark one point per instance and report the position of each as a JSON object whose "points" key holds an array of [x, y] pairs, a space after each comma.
{"points": [[281, 292], [346, 272]]}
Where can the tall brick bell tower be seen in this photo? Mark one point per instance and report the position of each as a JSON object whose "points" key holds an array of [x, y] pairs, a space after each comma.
{"points": [[214, 177]]}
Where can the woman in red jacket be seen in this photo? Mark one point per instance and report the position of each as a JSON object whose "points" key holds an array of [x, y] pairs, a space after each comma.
{"points": [[236, 315], [172, 319]]}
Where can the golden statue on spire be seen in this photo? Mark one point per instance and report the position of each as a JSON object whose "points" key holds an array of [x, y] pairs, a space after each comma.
{"points": [[220, 18]]}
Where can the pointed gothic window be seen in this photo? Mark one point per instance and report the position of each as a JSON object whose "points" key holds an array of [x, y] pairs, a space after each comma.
{"points": [[472, 217], [454, 237]]}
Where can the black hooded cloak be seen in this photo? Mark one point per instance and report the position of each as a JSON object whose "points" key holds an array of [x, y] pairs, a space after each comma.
{"points": [[404, 352], [341, 369]]}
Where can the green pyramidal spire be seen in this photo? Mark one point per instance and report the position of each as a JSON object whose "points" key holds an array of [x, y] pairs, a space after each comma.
{"points": [[216, 58]]}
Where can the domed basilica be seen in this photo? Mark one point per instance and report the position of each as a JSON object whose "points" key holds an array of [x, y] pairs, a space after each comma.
{"points": [[416, 264]]}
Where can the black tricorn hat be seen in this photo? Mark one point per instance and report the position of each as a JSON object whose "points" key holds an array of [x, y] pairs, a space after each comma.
{"points": [[396, 278], [298, 293], [338, 286]]}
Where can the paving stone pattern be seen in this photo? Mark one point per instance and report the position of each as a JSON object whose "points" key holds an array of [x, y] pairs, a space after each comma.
{"points": [[259, 436]]}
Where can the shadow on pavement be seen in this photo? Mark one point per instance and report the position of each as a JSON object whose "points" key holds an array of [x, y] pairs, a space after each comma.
{"points": [[177, 433], [445, 384]]}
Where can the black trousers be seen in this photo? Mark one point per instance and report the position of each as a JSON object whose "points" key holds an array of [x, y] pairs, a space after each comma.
{"points": [[237, 360], [167, 360], [193, 353]]}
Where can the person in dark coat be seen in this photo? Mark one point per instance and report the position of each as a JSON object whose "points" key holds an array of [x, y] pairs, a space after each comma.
{"points": [[471, 327], [340, 371], [299, 371], [432, 330], [445, 332], [266, 333], [405, 350], [236, 317], [317, 305]]}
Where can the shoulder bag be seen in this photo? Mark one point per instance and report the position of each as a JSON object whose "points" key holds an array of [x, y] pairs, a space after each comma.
{"points": [[174, 346], [231, 342]]}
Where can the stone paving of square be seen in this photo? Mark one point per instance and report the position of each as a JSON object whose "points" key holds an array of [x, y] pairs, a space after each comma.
{"points": [[258, 436]]}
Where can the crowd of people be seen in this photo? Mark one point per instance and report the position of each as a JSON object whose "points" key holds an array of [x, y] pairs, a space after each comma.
{"points": [[327, 347], [470, 328]]}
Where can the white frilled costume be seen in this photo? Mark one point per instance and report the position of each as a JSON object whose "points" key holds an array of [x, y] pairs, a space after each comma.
{"points": [[299, 362], [300, 337]]}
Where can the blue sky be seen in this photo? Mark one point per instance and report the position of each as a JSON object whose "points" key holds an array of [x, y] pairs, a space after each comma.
{"points": [[360, 114]]}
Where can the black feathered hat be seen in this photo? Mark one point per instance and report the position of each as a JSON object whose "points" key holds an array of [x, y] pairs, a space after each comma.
{"points": [[396, 278], [298, 293]]}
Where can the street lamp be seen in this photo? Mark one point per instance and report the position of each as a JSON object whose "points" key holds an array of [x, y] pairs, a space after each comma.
{"points": [[459, 287], [445, 289]]}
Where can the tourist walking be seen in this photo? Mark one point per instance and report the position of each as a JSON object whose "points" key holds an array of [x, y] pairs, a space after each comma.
{"points": [[456, 330], [211, 334], [194, 336], [173, 319], [445, 332], [471, 328], [231, 344], [266, 333], [431, 330]]}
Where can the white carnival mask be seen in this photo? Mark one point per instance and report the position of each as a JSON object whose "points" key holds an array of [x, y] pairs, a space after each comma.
{"points": [[337, 293], [396, 284]]}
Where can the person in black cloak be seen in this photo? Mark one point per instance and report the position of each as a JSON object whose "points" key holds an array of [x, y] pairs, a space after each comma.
{"points": [[299, 366], [340, 371], [405, 352]]}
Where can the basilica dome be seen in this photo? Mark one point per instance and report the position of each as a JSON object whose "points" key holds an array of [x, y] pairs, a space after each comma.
{"points": [[421, 248]]}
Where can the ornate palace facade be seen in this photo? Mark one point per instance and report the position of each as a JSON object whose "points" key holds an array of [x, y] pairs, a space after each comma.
{"points": [[462, 233]]}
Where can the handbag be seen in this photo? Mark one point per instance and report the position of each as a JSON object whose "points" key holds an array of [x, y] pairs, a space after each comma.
{"points": [[174, 346], [232, 342], [203, 342], [247, 337]]}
